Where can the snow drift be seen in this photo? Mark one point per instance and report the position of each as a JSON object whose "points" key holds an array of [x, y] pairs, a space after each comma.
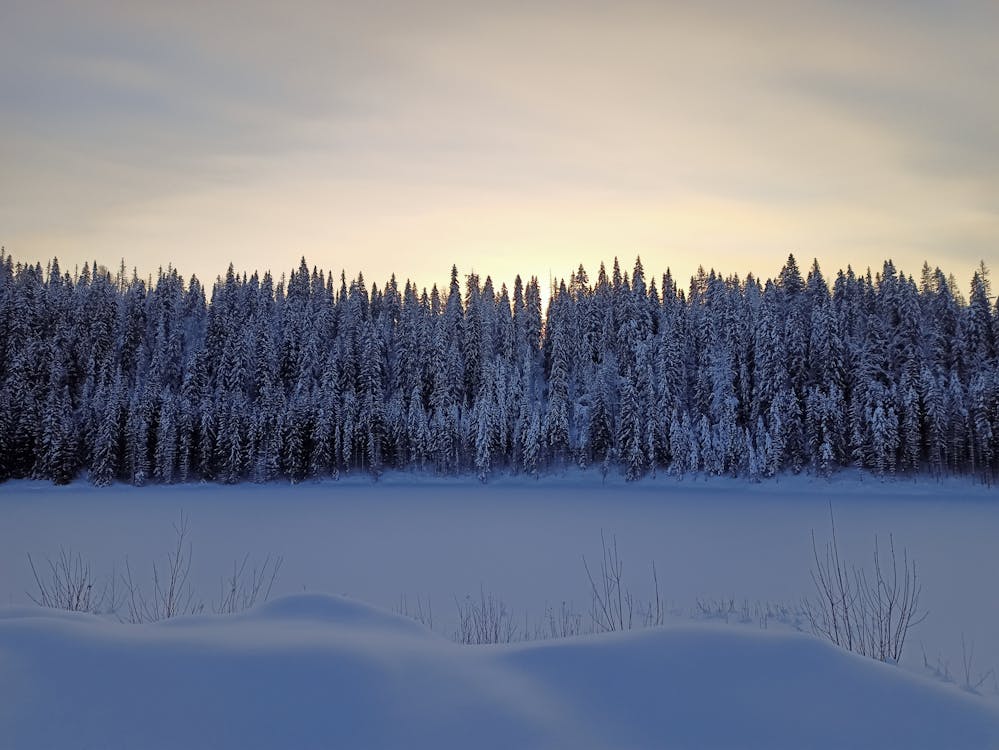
{"points": [[311, 671]]}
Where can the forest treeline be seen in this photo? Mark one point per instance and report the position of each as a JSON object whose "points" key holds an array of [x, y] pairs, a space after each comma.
{"points": [[115, 378]]}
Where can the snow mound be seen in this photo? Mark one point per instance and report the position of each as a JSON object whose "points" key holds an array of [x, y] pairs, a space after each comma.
{"points": [[312, 671], [718, 686], [336, 611]]}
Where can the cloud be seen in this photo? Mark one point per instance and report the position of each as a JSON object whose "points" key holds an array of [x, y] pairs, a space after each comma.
{"points": [[543, 133]]}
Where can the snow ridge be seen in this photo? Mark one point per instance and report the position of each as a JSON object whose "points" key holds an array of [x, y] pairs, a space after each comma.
{"points": [[312, 671]]}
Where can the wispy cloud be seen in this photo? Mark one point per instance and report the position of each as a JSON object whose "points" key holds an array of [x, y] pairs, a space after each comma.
{"points": [[405, 136]]}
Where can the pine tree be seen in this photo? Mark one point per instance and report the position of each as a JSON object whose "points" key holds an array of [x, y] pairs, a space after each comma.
{"points": [[630, 446], [483, 439], [58, 437], [679, 440], [6, 428], [532, 446], [557, 415], [884, 439], [980, 342], [294, 456], [600, 430], [910, 437], [230, 445], [146, 381], [166, 441], [372, 415], [137, 442], [983, 402], [322, 459], [418, 430]]}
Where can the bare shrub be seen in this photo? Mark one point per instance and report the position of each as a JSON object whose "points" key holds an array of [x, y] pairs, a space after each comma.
{"points": [[486, 620], [242, 589], [613, 606], [564, 622], [172, 593], [716, 609], [423, 612], [867, 614], [69, 584], [973, 678], [940, 668], [653, 612], [792, 616], [746, 612]]}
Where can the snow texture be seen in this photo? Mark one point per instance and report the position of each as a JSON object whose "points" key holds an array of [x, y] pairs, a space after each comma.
{"points": [[315, 671], [524, 540]]}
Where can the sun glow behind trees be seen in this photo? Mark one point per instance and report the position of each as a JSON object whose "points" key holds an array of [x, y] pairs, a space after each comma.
{"points": [[317, 375]]}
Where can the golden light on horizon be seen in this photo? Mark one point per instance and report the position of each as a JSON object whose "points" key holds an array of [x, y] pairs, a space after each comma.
{"points": [[406, 139]]}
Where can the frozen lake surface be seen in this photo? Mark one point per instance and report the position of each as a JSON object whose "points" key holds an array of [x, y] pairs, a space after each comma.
{"points": [[524, 540], [313, 670]]}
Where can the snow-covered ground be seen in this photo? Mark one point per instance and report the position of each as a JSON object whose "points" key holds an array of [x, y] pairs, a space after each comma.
{"points": [[313, 671], [523, 541]]}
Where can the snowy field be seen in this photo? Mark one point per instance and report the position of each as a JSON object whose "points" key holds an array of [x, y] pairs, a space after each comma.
{"points": [[524, 542], [312, 671]]}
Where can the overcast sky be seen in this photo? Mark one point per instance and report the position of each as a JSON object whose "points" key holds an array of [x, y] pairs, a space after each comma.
{"points": [[505, 137]]}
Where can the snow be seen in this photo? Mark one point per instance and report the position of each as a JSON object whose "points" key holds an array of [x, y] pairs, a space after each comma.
{"points": [[319, 671], [311, 671], [524, 540]]}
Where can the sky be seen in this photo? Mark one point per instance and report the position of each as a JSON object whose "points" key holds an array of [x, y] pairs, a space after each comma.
{"points": [[506, 138]]}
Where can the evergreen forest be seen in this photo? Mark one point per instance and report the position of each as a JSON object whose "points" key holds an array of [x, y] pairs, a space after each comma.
{"points": [[113, 378]]}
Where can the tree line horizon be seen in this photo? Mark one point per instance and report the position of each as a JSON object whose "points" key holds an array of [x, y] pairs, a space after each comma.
{"points": [[119, 379]]}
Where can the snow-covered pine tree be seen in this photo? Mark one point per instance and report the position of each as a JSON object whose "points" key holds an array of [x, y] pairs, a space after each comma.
{"points": [[557, 417], [630, 429], [532, 446], [165, 459], [156, 385]]}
